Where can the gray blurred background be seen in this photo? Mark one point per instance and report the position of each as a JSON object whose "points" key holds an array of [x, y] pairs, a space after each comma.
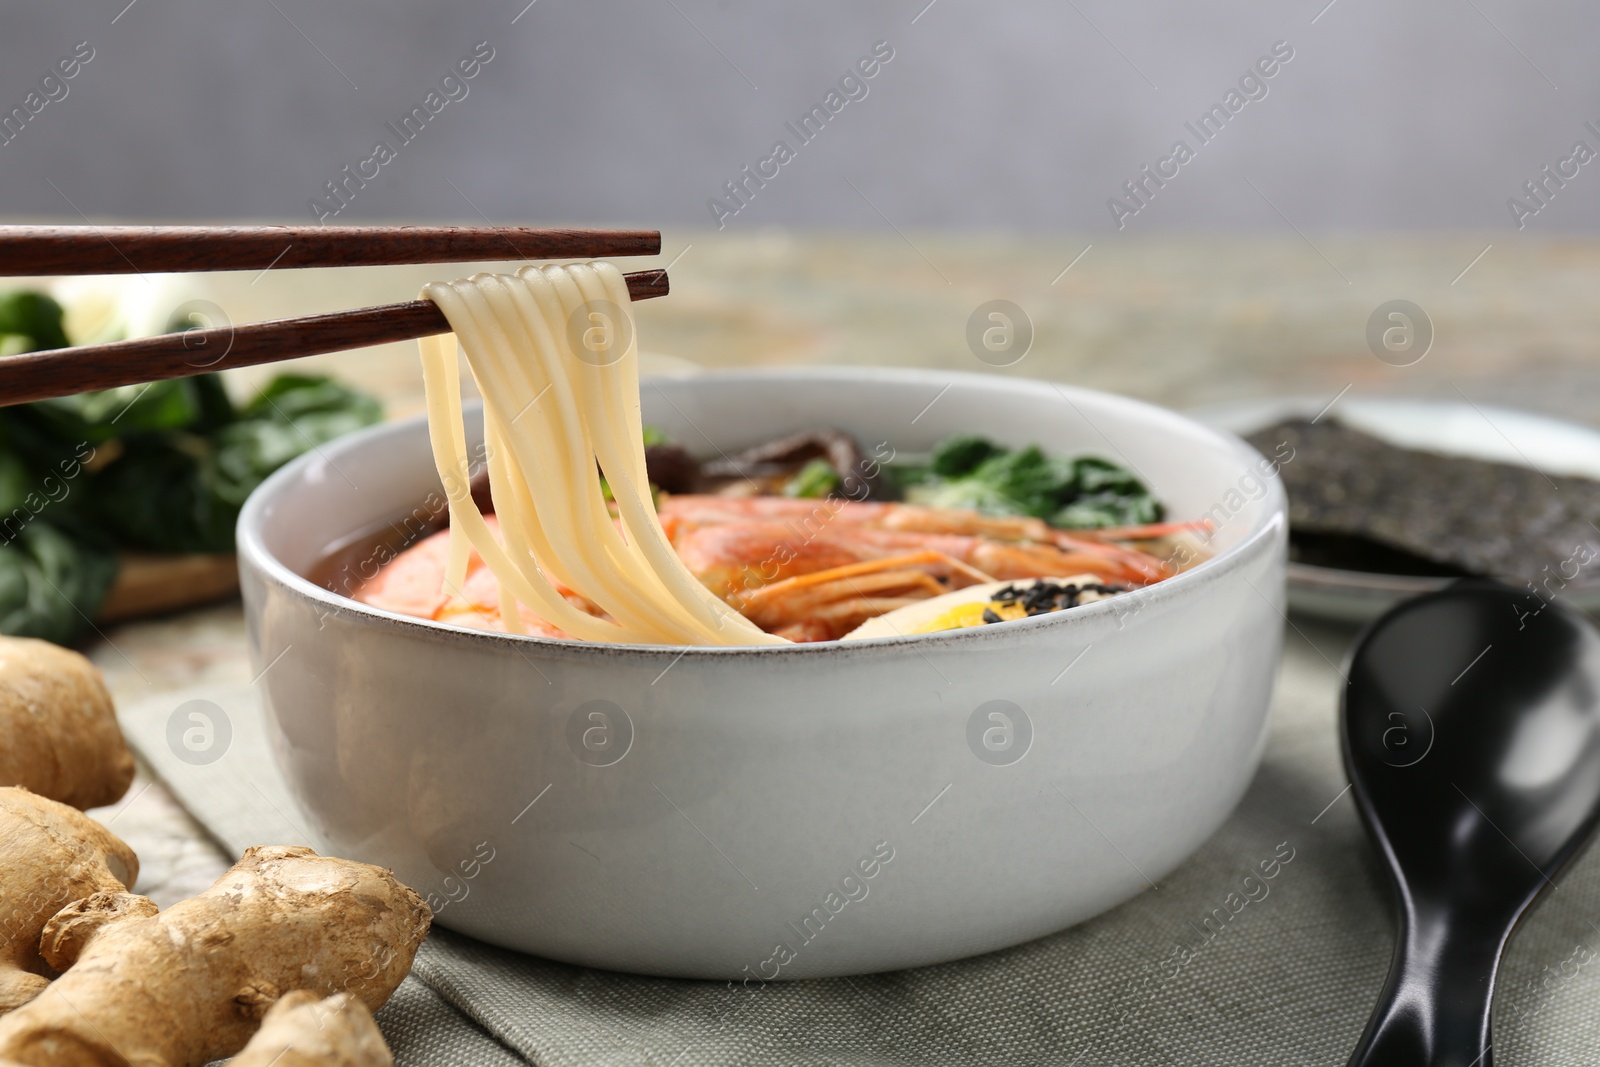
{"points": [[1019, 116]]}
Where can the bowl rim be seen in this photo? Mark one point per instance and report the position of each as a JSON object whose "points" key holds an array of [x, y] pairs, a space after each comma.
{"points": [[253, 552]]}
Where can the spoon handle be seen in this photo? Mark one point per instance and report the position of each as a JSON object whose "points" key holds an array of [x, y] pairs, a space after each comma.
{"points": [[1434, 1009]]}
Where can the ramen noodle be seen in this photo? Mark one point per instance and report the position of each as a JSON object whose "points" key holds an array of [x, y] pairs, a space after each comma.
{"points": [[552, 351]]}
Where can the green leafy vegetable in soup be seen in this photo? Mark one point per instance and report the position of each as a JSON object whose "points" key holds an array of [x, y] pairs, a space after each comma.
{"points": [[974, 472], [813, 481]]}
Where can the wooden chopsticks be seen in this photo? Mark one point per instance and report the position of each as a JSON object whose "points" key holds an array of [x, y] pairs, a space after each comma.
{"points": [[38, 250], [64, 371], [44, 250]]}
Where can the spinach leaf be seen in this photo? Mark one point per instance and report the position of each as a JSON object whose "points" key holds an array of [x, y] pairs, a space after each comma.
{"points": [[181, 492], [813, 481], [292, 415], [33, 315], [16, 482], [972, 472], [162, 495], [111, 413], [1002, 482], [312, 401], [960, 455], [51, 583], [1095, 510]]}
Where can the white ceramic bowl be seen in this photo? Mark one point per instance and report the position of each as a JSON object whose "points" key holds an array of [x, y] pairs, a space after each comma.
{"points": [[790, 812]]}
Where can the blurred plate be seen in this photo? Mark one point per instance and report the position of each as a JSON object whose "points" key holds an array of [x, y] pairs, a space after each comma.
{"points": [[1501, 435]]}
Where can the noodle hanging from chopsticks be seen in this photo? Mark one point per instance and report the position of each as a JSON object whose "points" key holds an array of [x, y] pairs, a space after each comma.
{"points": [[555, 420]]}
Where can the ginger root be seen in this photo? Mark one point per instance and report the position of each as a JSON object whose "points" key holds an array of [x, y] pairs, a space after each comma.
{"points": [[302, 1031], [61, 735], [191, 984], [50, 856]]}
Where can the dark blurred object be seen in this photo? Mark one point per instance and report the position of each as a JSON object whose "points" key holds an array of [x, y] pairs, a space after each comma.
{"points": [[1477, 794], [1359, 503], [670, 467], [1351, 553], [774, 466]]}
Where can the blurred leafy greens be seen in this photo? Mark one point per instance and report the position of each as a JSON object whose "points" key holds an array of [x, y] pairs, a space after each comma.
{"points": [[51, 583], [163, 467]]}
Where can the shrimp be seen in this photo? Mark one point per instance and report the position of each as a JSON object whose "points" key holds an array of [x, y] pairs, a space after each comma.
{"points": [[807, 518], [750, 555], [412, 583], [808, 570], [814, 569]]}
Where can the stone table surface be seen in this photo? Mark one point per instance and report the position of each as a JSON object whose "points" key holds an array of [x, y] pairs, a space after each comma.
{"points": [[1178, 321]]}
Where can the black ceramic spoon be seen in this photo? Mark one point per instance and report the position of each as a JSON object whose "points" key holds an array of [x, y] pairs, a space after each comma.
{"points": [[1472, 738]]}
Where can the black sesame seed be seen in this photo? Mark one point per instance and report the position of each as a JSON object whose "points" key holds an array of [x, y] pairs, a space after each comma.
{"points": [[1042, 597]]}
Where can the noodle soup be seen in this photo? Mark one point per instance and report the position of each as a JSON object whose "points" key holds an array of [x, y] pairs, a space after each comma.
{"points": [[584, 545]]}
